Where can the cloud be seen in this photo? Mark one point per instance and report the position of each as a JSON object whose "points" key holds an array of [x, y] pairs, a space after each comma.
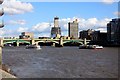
{"points": [[44, 28], [101, 29], [15, 22], [41, 27], [84, 24], [108, 1], [63, 23], [16, 7], [103, 22], [60, 0], [117, 13], [22, 29], [43, 35], [7, 32], [2, 32]]}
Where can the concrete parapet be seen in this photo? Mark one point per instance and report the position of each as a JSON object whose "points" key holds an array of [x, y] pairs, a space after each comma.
{"points": [[4, 74]]}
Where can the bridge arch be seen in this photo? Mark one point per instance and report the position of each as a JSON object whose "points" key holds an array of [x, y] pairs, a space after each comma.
{"points": [[73, 41], [55, 42], [88, 43], [46, 41], [23, 41], [37, 42], [15, 41], [8, 42]]}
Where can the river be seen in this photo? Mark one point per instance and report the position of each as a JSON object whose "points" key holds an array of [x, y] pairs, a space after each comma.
{"points": [[65, 62]]}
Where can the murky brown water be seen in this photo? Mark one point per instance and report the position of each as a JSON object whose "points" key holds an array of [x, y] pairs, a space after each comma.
{"points": [[66, 62]]}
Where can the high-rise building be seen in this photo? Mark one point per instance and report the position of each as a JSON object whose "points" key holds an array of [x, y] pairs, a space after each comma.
{"points": [[56, 29], [113, 31], [56, 22], [73, 29]]}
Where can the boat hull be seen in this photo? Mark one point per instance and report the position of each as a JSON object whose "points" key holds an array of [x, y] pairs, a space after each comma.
{"points": [[90, 47]]}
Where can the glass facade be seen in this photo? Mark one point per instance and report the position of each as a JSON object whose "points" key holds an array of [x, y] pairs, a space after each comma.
{"points": [[113, 31]]}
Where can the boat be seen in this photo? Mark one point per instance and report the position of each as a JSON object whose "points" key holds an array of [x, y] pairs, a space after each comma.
{"points": [[33, 47], [86, 47], [90, 47], [98, 47]]}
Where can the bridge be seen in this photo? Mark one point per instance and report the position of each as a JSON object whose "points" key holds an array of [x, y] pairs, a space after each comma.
{"points": [[60, 41]]}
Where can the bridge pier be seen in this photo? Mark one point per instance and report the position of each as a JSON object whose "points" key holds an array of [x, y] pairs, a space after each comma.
{"points": [[32, 41], [61, 41], [17, 43], [1, 42], [36, 43], [53, 44], [85, 43]]}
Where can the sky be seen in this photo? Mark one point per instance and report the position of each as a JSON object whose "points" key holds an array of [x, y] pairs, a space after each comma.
{"points": [[37, 16]]}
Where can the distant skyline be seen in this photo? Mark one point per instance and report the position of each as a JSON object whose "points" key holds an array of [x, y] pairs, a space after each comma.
{"points": [[38, 16]]}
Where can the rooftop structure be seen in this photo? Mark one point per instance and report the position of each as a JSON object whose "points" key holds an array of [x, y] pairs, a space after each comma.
{"points": [[56, 29]]}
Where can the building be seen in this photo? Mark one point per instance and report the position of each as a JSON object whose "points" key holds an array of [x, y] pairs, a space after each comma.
{"points": [[56, 29], [86, 34], [102, 37], [26, 35], [113, 31], [95, 36], [73, 29], [99, 37]]}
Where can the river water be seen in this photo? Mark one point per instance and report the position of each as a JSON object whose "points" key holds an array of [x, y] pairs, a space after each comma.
{"points": [[65, 62]]}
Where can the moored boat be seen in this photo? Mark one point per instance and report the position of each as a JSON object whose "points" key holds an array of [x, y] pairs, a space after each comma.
{"points": [[90, 47], [86, 47], [98, 47], [33, 47]]}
